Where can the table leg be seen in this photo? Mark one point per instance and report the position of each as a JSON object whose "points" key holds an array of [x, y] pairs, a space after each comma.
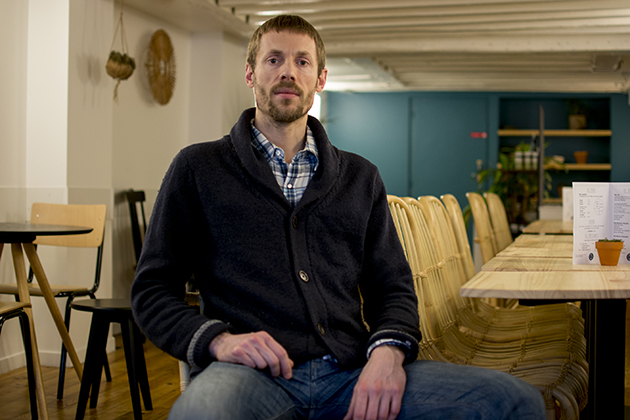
{"points": [[606, 326], [42, 280], [20, 275]]}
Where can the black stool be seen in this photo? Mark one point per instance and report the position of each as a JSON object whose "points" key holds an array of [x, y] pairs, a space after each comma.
{"points": [[104, 312]]}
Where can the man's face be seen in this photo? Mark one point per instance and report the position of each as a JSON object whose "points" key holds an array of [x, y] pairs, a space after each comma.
{"points": [[285, 79]]}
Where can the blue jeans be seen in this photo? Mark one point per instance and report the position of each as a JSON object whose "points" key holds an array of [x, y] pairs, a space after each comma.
{"points": [[320, 390]]}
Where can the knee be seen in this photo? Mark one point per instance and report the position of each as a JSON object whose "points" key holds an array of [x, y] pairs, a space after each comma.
{"points": [[230, 392], [517, 398]]}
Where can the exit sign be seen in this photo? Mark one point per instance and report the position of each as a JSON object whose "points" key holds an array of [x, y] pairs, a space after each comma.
{"points": [[478, 135]]}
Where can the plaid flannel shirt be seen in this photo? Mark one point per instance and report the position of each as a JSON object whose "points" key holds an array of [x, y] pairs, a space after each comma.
{"points": [[293, 178]]}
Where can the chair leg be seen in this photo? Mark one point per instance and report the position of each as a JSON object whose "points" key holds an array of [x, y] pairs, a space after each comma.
{"points": [[93, 364], [141, 366], [30, 371], [62, 361], [126, 327]]}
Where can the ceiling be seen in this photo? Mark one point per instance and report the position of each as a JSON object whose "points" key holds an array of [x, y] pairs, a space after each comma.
{"points": [[442, 45]]}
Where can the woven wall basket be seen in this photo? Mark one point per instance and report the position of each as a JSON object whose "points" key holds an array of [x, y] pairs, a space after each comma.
{"points": [[160, 65]]}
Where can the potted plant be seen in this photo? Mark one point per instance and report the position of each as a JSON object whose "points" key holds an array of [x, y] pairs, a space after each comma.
{"points": [[577, 114], [517, 189], [609, 250]]}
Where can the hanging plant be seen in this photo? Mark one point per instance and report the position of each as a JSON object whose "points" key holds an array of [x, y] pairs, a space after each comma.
{"points": [[120, 66]]}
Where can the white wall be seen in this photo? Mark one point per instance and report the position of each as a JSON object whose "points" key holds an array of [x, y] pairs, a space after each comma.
{"points": [[13, 41], [64, 139]]}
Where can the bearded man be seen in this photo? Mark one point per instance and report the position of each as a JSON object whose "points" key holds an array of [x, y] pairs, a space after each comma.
{"points": [[309, 304]]}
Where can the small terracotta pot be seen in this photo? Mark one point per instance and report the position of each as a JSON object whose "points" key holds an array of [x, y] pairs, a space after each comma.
{"points": [[608, 252], [580, 156]]}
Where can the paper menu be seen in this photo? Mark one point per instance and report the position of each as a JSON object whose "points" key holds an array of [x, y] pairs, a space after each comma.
{"points": [[600, 210]]}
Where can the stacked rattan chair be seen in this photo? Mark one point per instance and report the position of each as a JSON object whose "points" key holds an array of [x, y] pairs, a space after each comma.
{"points": [[491, 324], [485, 234], [481, 306], [493, 234], [499, 220], [559, 372]]}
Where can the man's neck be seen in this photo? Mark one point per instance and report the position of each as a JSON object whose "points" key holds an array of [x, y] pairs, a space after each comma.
{"points": [[289, 137]]}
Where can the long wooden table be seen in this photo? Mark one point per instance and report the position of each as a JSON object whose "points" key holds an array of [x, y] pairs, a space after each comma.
{"points": [[550, 226], [539, 267]]}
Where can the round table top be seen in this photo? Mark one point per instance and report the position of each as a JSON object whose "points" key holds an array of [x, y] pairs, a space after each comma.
{"points": [[15, 232]]}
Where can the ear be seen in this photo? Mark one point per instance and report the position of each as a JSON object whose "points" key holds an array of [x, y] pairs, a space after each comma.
{"points": [[321, 80], [249, 76]]}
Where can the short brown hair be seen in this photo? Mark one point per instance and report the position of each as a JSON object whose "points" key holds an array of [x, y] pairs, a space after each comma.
{"points": [[291, 23]]}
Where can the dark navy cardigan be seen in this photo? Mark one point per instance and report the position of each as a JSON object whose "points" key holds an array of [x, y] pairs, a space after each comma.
{"points": [[300, 273]]}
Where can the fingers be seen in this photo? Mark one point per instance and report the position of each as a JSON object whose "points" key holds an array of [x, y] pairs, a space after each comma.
{"points": [[371, 404], [257, 350], [379, 390]]}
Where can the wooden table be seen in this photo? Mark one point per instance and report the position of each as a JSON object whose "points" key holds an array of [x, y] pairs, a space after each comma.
{"points": [[549, 226], [21, 237], [544, 271]]}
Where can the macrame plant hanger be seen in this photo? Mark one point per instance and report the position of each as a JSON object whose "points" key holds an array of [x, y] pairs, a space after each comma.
{"points": [[119, 65]]}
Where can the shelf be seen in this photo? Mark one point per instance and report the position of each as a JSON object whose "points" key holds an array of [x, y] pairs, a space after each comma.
{"points": [[567, 166], [555, 133], [587, 166]]}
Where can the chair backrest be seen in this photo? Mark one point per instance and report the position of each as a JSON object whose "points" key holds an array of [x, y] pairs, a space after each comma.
{"points": [[71, 215], [485, 233], [434, 296], [136, 201], [459, 229], [408, 233], [498, 217]]}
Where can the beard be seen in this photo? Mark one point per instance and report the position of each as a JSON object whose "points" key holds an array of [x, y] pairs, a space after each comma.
{"points": [[283, 112]]}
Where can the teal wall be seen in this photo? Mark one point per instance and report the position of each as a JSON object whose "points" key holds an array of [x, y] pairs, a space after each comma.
{"points": [[620, 144], [410, 140]]}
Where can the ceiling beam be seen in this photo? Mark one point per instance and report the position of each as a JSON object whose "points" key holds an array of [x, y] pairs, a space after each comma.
{"points": [[480, 43]]}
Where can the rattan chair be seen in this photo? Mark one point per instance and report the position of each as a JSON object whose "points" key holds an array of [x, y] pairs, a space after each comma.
{"points": [[496, 324], [485, 234], [563, 381], [486, 238], [461, 236], [73, 215], [499, 220], [481, 306]]}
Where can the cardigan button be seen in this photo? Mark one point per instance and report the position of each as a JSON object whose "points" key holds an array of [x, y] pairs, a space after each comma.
{"points": [[295, 221], [321, 329], [303, 276]]}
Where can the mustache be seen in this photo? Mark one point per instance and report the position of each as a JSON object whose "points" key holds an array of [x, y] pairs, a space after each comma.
{"points": [[287, 85]]}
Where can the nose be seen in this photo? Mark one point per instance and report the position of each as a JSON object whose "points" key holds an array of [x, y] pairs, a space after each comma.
{"points": [[288, 71]]}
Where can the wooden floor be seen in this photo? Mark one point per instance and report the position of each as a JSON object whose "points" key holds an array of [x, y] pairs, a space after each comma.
{"points": [[114, 402]]}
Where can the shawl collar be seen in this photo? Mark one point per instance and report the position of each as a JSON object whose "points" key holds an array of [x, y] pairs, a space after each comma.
{"points": [[258, 168]]}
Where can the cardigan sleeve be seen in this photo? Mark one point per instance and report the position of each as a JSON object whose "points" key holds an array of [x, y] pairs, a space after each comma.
{"points": [[166, 265]]}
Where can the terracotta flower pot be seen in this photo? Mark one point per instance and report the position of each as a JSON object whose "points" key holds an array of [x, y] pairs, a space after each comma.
{"points": [[608, 252], [580, 156]]}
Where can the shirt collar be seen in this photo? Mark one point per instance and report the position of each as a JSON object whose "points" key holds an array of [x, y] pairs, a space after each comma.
{"points": [[268, 149]]}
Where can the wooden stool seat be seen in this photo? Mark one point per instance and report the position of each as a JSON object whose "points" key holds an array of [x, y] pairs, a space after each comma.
{"points": [[104, 312]]}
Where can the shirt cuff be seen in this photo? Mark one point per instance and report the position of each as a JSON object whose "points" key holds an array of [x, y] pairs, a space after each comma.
{"points": [[405, 347], [408, 343]]}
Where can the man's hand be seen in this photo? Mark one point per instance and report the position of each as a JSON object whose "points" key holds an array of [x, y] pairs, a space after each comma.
{"points": [[380, 388], [257, 350]]}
